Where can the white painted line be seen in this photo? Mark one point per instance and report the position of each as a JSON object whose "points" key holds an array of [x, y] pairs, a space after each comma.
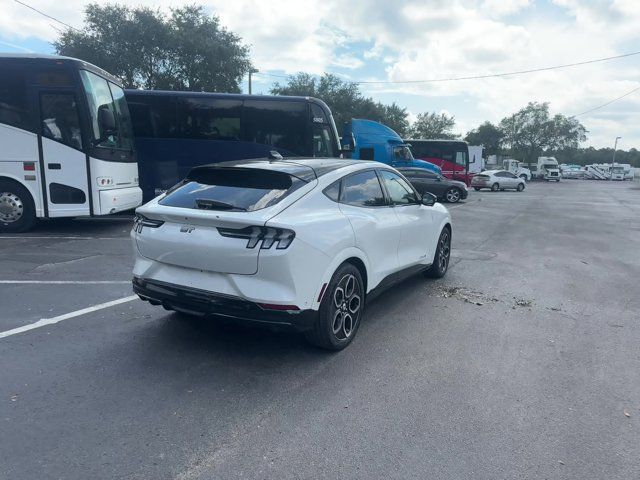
{"points": [[65, 282], [50, 321]]}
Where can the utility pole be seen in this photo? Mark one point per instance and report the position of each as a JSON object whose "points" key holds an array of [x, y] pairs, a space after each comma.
{"points": [[613, 160], [251, 71]]}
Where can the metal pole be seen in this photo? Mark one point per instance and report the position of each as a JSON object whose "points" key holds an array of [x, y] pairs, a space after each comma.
{"points": [[613, 160], [251, 71]]}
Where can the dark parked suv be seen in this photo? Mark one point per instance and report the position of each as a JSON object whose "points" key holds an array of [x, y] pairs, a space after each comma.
{"points": [[443, 188]]}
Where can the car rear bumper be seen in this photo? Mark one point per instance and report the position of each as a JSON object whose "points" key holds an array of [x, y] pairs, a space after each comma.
{"points": [[198, 301]]}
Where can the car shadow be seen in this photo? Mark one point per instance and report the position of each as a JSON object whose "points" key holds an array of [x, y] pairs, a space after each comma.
{"points": [[111, 225]]}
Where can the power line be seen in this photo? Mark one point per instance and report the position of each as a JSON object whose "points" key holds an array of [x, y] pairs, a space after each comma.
{"points": [[506, 74], [478, 77], [608, 103], [46, 15]]}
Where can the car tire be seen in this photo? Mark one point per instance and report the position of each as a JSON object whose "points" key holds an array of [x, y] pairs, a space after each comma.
{"points": [[520, 187], [495, 187], [340, 311], [453, 195], [17, 210], [477, 189], [440, 265]]}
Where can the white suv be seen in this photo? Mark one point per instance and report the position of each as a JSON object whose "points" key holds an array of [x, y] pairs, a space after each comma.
{"points": [[294, 242]]}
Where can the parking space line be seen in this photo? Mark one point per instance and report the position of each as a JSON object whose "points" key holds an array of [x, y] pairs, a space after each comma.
{"points": [[50, 321], [65, 282]]}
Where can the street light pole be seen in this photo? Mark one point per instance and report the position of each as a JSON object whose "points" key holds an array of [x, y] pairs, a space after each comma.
{"points": [[251, 71], [613, 160]]}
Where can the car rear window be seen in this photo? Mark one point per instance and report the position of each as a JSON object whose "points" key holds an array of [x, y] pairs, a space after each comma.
{"points": [[232, 189]]}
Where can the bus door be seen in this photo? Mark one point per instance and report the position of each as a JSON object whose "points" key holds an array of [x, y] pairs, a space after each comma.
{"points": [[62, 154]]}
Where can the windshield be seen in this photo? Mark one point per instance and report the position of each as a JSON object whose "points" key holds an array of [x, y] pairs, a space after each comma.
{"points": [[550, 166], [102, 94], [402, 153]]}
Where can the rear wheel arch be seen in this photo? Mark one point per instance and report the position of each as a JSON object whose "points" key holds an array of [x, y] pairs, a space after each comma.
{"points": [[359, 264]]}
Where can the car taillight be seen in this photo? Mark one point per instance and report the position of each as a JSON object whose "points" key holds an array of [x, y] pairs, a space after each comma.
{"points": [[281, 237], [140, 221]]}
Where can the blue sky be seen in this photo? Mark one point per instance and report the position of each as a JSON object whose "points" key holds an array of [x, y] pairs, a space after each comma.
{"points": [[411, 39]]}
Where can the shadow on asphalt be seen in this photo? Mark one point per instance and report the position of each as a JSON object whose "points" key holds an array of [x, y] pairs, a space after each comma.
{"points": [[81, 226]]}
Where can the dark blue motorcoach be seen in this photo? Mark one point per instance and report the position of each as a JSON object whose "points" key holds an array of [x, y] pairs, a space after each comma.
{"points": [[176, 131]]}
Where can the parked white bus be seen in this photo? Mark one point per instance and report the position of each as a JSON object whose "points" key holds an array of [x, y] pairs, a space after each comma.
{"points": [[66, 142]]}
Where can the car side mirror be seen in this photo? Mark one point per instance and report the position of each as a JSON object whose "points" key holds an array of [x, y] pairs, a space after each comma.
{"points": [[429, 199]]}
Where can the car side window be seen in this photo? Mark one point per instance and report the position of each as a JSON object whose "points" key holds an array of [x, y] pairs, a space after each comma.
{"points": [[501, 174], [400, 191], [333, 191], [362, 190], [511, 175]]}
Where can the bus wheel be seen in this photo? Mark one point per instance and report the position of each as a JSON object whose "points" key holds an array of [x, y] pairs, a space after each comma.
{"points": [[17, 211]]}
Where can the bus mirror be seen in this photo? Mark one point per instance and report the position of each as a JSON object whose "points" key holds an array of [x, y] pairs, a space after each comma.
{"points": [[106, 120]]}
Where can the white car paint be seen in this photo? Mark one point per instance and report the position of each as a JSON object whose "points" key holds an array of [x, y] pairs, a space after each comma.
{"points": [[502, 178], [187, 250]]}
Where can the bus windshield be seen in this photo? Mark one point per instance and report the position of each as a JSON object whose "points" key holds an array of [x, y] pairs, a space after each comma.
{"points": [[104, 94]]}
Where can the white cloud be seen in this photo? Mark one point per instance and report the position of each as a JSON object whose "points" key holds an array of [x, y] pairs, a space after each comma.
{"points": [[418, 39]]}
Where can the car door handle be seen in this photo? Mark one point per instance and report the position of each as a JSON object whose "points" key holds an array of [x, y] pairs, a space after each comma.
{"points": [[54, 166]]}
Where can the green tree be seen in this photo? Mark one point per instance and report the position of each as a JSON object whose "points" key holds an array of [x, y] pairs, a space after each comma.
{"points": [[531, 131], [433, 125], [487, 135], [345, 100], [185, 50]]}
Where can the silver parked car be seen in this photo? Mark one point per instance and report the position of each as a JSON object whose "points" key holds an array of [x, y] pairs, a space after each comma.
{"points": [[497, 180]]}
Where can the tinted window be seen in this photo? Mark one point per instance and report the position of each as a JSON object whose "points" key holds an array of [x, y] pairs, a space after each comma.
{"points": [[232, 189], [502, 174], [153, 116], [54, 78], [317, 115], [13, 99], [206, 118], [60, 121], [363, 190], [333, 191], [451, 152], [278, 124], [322, 144], [399, 190]]}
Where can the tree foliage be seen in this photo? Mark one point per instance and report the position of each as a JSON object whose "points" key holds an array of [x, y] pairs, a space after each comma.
{"points": [[434, 125], [531, 131], [345, 100], [487, 135], [185, 50]]}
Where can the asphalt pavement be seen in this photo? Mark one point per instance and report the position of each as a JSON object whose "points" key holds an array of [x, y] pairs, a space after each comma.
{"points": [[523, 362]]}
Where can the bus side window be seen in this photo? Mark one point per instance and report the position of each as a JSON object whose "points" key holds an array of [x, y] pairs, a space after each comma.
{"points": [[208, 118], [60, 121], [13, 99], [279, 124]]}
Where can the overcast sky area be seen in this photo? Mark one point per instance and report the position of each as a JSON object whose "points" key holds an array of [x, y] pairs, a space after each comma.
{"points": [[416, 40]]}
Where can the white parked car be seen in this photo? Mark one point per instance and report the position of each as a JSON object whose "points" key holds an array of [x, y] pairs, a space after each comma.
{"points": [[294, 242], [497, 180]]}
